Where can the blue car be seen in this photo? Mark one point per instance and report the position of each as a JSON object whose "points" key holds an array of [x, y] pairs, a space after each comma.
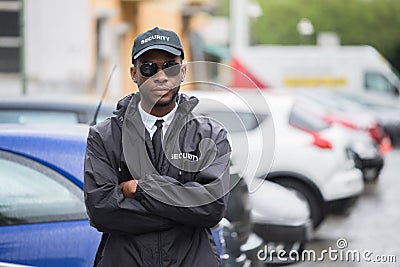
{"points": [[43, 219]]}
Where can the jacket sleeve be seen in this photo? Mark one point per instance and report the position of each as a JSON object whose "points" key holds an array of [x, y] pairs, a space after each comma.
{"points": [[108, 209], [209, 188]]}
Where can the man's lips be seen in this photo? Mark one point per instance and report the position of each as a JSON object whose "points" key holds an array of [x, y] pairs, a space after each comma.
{"points": [[161, 91]]}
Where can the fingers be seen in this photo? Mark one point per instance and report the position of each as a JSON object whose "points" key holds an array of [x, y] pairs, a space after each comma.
{"points": [[129, 188]]}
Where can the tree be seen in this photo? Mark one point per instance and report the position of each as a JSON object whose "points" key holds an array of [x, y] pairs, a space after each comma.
{"points": [[372, 22]]}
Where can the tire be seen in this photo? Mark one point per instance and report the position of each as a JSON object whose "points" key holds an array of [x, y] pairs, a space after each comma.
{"points": [[395, 140], [371, 174], [394, 136], [306, 193]]}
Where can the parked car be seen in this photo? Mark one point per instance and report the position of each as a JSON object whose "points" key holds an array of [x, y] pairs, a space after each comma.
{"points": [[29, 110], [333, 109], [280, 217], [368, 142], [388, 116], [311, 157], [43, 219]]}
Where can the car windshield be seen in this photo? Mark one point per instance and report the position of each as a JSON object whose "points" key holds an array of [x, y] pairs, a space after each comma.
{"points": [[306, 119]]}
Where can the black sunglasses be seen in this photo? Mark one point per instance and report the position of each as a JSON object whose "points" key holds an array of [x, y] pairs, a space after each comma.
{"points": [[170, 68]]}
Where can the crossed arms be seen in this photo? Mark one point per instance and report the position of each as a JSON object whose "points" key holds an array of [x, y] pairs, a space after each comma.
{"points": [[114, 207]]}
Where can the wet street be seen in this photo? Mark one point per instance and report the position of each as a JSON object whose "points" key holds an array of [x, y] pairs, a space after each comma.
{"points": [[369, 235]]}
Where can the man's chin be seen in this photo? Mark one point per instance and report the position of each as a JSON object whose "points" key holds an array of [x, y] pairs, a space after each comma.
{"points": [[163, 102], [166, 100]]}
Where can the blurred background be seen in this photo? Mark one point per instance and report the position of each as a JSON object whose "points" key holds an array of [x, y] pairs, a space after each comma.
{"points": [[328, 76], [71, 46]]}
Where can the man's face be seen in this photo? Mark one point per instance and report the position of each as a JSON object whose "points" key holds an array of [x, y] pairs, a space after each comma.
{"points": [[159, 90]]}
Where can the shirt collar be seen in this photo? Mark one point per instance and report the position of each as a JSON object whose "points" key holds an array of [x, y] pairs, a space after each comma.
{"points": [[149, 120]]}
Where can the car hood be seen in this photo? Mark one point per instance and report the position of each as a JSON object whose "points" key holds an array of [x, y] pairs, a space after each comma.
{"points": [[274, 204], [62, 148]]}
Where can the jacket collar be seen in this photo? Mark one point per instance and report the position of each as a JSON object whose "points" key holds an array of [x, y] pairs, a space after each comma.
{"points": [[185, 104], [134, 133]]}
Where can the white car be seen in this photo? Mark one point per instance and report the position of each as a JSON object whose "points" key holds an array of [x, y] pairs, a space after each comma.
{"points": [[369, 143], [279, 215], [291, 147]]}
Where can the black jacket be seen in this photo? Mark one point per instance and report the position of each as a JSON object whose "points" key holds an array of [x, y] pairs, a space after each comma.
{"points": [[168, 223]]}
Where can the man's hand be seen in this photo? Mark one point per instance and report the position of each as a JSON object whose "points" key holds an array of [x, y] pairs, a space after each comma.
{"points": [[129, 188]]}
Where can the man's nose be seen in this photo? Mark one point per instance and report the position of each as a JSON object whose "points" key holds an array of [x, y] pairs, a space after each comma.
{"points": [[160, 75]]}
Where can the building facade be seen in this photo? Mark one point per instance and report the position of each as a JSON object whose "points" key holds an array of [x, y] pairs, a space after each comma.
{"points": [[72, 46]]}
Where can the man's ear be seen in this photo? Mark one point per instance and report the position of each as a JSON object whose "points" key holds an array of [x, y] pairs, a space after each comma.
{"points": [[183, 71], [133, 73]]}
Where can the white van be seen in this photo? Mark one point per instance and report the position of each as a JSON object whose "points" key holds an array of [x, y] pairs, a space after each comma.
{"points": [[357, 69]]}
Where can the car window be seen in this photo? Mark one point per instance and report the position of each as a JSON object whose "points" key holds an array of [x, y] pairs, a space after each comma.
{"points": [[32, 193], [306, 119], [236, 121], [35, 116], [376, 82]]}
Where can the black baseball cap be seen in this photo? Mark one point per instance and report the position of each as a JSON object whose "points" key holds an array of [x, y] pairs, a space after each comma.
{"points": [[157, 39]]}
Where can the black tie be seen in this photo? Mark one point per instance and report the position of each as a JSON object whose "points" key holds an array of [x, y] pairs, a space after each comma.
{"points": [[157, 143]]}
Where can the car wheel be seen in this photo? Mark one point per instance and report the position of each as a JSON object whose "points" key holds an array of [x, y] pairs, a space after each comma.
{"points": [[393, 135], [395, 140], [371, 174], [306, 193]]}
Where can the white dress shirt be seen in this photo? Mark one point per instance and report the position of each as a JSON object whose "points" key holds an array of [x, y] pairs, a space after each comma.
{"points": [[150, 120]]}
